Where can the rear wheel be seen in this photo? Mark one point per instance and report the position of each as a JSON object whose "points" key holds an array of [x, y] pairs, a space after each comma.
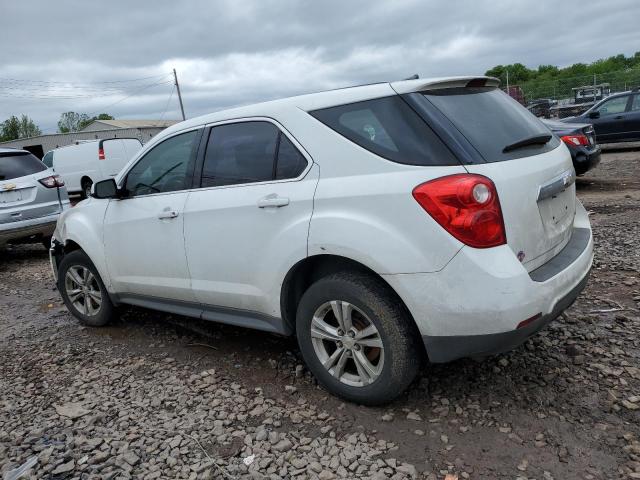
{"points": [[356, 339], [82, 290], [86, 187]]}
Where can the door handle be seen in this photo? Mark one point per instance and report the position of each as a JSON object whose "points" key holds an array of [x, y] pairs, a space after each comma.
{"points": [[618, 117], [273, 201], [167, 214]]}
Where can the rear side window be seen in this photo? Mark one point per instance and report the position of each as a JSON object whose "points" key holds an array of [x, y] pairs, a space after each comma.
{"points": [[491, 120], [18, 164], [48, 159], [389, 128], [249, 152]]}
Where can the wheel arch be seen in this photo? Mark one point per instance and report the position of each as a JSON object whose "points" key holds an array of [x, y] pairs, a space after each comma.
{"points": [[310, 269]]}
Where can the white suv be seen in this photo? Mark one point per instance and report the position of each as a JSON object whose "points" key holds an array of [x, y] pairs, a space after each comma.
{"points": [[376, 223]]}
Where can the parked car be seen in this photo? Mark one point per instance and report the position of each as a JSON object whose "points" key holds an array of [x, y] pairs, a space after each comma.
{"points": [[31, 198], [376, 223], [87, 162], [615, 119], [580, 139], [541, 107]]}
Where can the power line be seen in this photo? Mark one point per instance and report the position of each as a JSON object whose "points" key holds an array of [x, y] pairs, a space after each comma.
{"points": [[104, 108], [18, 80], [166, 107]]}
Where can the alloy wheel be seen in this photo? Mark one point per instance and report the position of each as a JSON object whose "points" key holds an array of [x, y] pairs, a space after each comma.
{"points": [[347, 343], [83, 290]]}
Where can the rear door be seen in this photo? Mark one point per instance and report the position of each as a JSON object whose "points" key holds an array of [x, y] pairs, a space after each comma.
{"points": [[632, 124], [111, 157], [250, 216], [535, 182], [610, 125], [22, 196]]}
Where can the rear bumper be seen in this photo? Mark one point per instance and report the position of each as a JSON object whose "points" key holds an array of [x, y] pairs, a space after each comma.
{"points": [[443, 349], [474, 305], [585, 158], [26, 228]]}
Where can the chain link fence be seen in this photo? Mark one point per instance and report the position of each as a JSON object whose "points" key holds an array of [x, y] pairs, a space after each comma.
{"points": [[571, 96]]}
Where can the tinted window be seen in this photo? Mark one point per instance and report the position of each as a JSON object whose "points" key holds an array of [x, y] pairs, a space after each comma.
{"points": [[490, 120], [14, 165], [635, 105], [613, 106], [240, 153], [48, 159], [166, 168], [290, 163], [389, 128]]}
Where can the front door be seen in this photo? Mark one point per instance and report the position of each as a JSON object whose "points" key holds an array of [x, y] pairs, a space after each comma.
{"points": [[143, 233], [249, 222]]}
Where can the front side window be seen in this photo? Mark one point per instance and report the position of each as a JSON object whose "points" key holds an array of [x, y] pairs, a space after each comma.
{"points": [[635, 105], [613, 106], [389, 128], [167, 167], [249, 152]]}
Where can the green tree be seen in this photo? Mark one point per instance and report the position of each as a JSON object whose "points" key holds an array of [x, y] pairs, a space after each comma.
{"points": [[14, 128], [87, 121], [71, 121]]}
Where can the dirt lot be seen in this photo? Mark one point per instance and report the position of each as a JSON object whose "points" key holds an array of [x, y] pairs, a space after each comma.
{"points": [[159, 396]]}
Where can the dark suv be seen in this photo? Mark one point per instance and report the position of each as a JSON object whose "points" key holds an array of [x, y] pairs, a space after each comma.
{"points": [[615, 119]]}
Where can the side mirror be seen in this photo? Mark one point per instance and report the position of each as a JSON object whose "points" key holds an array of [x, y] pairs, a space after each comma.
{"points": [[105, 189], [594, 114]]}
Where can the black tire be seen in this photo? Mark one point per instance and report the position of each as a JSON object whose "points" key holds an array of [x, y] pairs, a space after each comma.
{"points": [[403, 353], [46, 242], [86, 187], [78, 260]]}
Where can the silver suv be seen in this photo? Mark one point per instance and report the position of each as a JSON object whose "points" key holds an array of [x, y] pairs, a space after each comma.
{"points": [[31, 198]]}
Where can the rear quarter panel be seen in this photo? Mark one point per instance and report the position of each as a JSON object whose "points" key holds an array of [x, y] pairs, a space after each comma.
{"points": [[364, 208]]}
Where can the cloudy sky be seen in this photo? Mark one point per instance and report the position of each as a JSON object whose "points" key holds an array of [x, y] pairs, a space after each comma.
{"points": [[84, 55]]}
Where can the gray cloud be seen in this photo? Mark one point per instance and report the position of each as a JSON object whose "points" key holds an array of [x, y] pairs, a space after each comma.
{"points": [[232, 52]]}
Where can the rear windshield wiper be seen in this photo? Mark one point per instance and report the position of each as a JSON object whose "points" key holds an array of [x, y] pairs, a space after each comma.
{"points": [[535, 140]]}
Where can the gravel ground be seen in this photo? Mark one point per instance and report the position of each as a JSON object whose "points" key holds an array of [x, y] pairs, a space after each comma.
{"points": [[158, 396]]}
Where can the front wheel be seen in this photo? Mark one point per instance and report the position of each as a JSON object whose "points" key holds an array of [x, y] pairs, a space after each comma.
{"points": [[86, 188], [356, 339], [83, 291]]}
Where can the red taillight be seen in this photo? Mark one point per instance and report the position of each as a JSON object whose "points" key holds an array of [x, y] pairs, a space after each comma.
{"points": [[52, 182], [575, 140], [101, 154], [466, 206]]}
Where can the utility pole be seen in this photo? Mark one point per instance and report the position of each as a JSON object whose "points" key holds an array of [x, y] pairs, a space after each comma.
{"points": [[508, 92], [175, 76]]}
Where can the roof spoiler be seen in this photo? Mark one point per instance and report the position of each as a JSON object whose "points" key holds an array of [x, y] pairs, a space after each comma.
{"points": [[418, 85]]}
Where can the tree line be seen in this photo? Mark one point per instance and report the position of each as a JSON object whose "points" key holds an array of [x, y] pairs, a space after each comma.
{"points": [[14, 128], [519, 73]]}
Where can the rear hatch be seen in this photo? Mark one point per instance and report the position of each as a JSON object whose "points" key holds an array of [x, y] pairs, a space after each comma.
{"points": [[497, 137], [22, 195]]}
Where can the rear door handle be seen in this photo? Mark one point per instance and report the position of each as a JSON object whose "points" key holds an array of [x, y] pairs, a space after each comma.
{"points": [[167, 214], [273, 201]]}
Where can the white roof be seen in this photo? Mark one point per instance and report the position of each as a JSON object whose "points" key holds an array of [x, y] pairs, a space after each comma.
{"points": [[329, 98]]}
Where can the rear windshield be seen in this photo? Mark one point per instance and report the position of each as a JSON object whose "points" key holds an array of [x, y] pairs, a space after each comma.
{"points": [[389, 128], [491, 120], [14, 165]]}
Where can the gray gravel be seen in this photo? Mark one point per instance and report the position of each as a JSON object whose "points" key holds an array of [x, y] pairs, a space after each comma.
{"points": [[158, 396]]}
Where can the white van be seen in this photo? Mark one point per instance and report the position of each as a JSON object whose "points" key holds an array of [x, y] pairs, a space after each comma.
{"points": [[83, 164]]}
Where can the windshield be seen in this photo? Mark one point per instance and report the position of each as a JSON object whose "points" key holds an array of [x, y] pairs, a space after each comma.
{"points": [[19, 164], [491, 120]]}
